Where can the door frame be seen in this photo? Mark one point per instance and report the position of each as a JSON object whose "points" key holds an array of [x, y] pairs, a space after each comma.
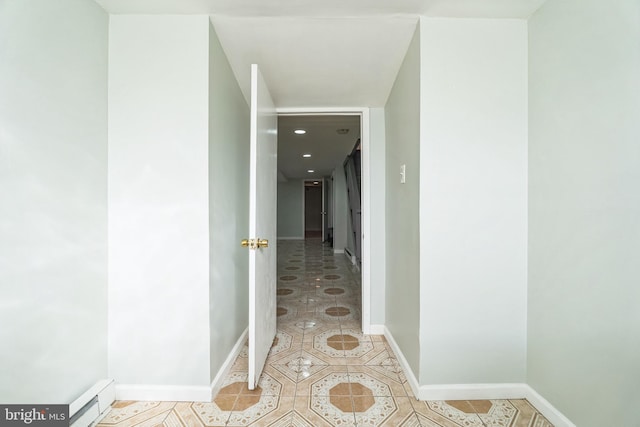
{"points": [[363, 112], [304, 203]]}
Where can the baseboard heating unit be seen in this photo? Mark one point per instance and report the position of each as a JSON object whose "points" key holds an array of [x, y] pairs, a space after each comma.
{"points": [[92, 406], [351, 256]]}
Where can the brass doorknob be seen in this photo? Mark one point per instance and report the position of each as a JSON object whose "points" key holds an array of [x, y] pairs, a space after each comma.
{"points": [[255, 243]]}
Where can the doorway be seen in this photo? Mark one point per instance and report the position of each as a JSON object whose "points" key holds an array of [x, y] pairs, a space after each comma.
{"points": [[334, 187], [313, 210]]}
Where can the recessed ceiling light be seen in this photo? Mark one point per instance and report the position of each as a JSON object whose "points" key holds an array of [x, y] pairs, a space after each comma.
{"points": [[311, 171], [306, 155], [299, 131]]}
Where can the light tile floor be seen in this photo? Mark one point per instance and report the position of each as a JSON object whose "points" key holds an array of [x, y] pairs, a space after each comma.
{"points": [[322, 371]]}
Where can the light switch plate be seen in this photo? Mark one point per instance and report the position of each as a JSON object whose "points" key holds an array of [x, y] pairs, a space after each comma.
{"points": [[403, 174]]}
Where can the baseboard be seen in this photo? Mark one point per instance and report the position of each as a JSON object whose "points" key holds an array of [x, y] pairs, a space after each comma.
{"points": [[178, 393], [476, 391], [216, 384], [170, 393], [408, 372], [549, 411], [290, 238], [472, 391], [338, 251], [376, 329]]}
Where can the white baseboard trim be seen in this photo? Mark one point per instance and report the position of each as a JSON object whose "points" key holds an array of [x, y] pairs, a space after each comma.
{"points": [[472, 391], [477, 391], [171, 393], [216, 384], [290, 238], [338, 251], [549, 411], [411, 378], [376, 330], [180, 393]]}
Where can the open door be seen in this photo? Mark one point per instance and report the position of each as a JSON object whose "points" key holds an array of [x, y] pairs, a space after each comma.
{"points": [[325, 217], [262, 226]]}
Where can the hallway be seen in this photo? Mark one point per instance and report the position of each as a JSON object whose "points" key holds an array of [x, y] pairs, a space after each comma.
{"points": [[322, 371]]}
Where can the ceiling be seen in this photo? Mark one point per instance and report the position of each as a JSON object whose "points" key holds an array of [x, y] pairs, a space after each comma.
{"points": [[318, 62], [328, 149], [442, 8]]}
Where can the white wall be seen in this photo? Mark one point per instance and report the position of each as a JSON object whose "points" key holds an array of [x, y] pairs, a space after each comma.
{"points": [[228, 206], [377, 214], [402, 126], [290, 209], [584, 206], [340, 209], [53, 213], [473, 201], [159, 200]]}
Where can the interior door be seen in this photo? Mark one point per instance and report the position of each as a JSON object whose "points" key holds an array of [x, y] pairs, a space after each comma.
{"points": [[262, 226]]}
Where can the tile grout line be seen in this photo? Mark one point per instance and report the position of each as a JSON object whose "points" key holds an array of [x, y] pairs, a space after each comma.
{"points": [[169, 412]]}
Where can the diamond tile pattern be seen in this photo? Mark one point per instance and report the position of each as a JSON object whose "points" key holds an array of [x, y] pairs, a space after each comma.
{"points": [[321, 370]]}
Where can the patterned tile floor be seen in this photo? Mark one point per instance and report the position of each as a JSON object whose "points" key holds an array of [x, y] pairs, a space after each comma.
{"points": [[322, 371]]}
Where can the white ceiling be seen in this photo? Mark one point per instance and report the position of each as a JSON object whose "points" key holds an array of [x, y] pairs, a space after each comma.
{"points": [[328, 149], [444, 8], [318, 62]]}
